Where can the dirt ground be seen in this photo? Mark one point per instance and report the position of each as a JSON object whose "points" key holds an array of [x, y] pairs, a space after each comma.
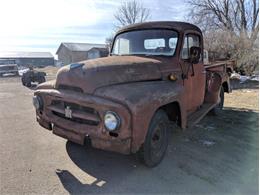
{"points": [[219, 155]]}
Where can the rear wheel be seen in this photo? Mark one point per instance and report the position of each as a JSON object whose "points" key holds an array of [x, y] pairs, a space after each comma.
{"points": [[156, 141]]}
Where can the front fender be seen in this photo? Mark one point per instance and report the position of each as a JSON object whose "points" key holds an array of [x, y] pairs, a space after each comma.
{"points": [[46, 85], [143, 99]]}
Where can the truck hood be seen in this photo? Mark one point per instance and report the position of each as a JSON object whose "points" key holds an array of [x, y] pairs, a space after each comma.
{"points": [[89, 75]]}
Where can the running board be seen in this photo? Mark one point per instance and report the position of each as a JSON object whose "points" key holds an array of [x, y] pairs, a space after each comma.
{"points": [[195, 117]]}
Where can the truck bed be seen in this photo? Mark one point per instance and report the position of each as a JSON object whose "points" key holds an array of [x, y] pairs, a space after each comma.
{"points": [[224, 66]]}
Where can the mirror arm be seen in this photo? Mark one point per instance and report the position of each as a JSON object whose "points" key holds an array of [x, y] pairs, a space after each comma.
{"points": [[185, 76], [192, 68]]}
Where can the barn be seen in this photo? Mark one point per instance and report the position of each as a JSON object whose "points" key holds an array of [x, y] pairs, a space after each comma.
{"points": [[74, 52], [37, 59]]}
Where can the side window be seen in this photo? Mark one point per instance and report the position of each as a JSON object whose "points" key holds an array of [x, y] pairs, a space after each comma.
{"points": [[189, 41]]}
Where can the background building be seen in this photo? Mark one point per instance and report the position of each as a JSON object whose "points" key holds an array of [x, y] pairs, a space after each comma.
{"points": [[75, 52], [38, 59]]}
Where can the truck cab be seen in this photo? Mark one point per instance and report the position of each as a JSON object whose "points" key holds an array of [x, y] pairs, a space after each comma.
{"points": [[124, 103]]}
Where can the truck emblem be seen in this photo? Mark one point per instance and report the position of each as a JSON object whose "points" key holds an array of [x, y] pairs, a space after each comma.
{"points": [[68, 112]]}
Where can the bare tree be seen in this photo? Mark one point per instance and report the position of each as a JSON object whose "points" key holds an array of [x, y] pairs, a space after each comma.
{"points": [[229, 26], [239, 16], [131, 12], [109, 41]]}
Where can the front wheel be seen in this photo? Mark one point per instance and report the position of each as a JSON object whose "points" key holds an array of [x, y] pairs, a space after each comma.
{"points": [[156, 141]]}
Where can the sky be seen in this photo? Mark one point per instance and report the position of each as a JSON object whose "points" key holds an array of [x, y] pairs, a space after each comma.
{"points": [[41, 25]]}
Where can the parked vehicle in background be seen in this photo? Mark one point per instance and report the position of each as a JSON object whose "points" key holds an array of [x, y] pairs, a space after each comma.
{"points": [[8, 67], [32, 75], [125, 102]]}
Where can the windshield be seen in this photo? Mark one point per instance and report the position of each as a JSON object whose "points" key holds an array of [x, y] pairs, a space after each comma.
{"points": [[146, 42]]}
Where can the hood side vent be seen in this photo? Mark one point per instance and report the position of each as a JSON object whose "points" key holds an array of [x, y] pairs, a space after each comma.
{"points": [[70, 88]]}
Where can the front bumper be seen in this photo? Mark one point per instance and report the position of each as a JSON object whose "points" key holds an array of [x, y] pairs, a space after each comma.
{"points": [[87, 119]]}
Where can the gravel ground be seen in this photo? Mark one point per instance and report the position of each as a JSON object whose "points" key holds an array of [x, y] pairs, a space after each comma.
{"points": [[219, 155]]}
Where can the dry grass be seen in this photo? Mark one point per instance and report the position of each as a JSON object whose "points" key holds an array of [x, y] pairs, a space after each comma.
{"points": [[243, 99], [50, 70]]}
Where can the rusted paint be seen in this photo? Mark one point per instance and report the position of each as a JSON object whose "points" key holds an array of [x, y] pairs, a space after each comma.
{"points": [[132, 86], [108, 71]]}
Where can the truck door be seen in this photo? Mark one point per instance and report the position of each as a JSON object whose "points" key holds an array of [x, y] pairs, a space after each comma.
{"points": [[195, 75]]}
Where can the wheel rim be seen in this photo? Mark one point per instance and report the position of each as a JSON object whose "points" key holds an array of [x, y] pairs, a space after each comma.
{"points": [[157, 141]]}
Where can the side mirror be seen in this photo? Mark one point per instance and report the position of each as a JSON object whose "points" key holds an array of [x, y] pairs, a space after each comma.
{"points": [[195, 55]]}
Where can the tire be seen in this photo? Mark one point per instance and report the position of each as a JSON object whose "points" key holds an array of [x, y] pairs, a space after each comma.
{"points": [[219, 107], [41, 80], [23, 81], [27, 82], [156, 142]]}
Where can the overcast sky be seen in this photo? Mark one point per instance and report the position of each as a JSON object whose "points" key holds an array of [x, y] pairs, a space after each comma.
{"points": [[41, 25]]}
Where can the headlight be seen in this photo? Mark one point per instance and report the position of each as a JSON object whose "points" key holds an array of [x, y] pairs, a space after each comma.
{"points": [[112, 121], [37, 102]]}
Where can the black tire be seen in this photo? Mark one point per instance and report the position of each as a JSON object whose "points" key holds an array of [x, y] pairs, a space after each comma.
{"points": [[41, 80], [27, 82], [219, 107], [23, 81], [156, 141]]}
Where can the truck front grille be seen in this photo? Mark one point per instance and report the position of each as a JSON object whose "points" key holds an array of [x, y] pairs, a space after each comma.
{"points": [[75, 119], [80, 114]]}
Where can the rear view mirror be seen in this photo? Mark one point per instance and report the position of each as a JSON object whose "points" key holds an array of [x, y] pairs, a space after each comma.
{"points": [[195, 55]]}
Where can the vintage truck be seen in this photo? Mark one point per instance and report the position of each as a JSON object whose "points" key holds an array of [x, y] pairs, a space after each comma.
{"points": [[154, 76]]}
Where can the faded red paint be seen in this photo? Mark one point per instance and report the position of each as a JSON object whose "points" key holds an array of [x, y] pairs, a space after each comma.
{"points": [[133, 87]]}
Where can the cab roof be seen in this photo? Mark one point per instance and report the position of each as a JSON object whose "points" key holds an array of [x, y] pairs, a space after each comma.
{"points": [[179, 26]]}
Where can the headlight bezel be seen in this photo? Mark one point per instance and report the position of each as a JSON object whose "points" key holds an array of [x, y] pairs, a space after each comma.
{"points": [[118, 119]]}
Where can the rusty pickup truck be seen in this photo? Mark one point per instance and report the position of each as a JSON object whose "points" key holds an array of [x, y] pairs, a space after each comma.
{"points": [[124, 103]]}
